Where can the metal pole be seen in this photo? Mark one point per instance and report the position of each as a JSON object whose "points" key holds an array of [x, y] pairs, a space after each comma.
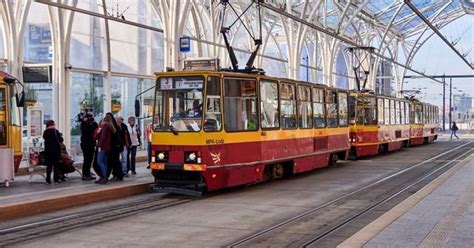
{"points": [[450, 99], [444, 103]]}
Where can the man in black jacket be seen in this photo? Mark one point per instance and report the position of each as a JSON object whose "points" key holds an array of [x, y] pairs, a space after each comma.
{"points": [[88, 126]]}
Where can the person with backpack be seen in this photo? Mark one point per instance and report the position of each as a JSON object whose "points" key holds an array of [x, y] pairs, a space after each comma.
{"points": [[107, 130], [88, 126], [126, 138], [454, 129]]}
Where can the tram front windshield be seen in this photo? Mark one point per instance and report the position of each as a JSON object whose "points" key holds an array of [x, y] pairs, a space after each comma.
{"points": [[178, 104]]}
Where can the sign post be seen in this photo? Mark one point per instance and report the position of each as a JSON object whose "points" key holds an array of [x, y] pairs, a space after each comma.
{"points": [[185, 44]]}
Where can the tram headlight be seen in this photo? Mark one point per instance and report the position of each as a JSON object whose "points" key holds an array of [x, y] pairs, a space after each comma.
{"points": [[161, 155], [192, 157]]}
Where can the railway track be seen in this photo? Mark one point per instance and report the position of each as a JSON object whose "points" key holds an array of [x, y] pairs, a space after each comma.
{"points": [[331, 223], [30, 231]]}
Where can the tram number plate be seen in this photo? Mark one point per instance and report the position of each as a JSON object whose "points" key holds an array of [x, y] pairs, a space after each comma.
{"points": [[214, 141]]}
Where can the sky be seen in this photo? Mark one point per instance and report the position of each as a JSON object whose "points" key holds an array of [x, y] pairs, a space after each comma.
{"points": [[435, 57]]}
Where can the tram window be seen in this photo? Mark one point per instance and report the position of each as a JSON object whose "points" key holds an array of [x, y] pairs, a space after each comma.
{"points": [[392, 112], [240, 104], [342, 101], [352, 109], [386, 107], [409, 114], [3, 117], [380, 110], [360, 110], [305, 115], [370, 110], [402, 113], [319, 110], [213, 116], [418, 114], [269, 116], [331, 107], [288, 106], [397, 112]]}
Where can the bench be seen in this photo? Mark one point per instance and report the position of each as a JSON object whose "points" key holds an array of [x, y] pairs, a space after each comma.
{"points": [[40, 169]]}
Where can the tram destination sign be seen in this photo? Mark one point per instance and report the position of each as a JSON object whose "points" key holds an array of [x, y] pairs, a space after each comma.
{"points": [[180, 83]]}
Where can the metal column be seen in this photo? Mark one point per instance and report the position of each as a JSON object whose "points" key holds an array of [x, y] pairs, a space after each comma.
{"points": [[444, 104], [450, 99]]}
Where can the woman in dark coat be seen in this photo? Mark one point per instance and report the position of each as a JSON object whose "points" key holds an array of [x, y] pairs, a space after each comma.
{"points": [[52, 146], [113, 159]]}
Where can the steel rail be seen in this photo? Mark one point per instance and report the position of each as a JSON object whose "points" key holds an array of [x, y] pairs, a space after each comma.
{"points": [[30, 231], [341, 38], [384, 200], [304, 214]]}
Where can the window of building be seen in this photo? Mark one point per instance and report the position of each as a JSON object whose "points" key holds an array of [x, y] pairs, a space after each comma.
{"points": [[331, 107], [305, 115], [87, 92], [380, 111], [240, 103], [386, 106], [319, 110], [269, 105], [343, 110], [213, 116], [288, 106]]}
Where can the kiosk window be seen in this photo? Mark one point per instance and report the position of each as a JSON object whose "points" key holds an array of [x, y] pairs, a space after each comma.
{"points": [[3, 117]]}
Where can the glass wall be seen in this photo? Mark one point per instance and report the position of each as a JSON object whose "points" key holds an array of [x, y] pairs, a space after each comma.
{"points": [[2, 45], [37, 41], [135, 50], [88, 47], [87, 91]]}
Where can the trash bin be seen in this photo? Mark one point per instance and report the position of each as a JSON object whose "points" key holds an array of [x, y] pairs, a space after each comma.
{"points": [[6, 166]]}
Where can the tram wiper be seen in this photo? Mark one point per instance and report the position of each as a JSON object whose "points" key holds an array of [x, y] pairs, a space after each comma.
{"points": [[171, 128]]}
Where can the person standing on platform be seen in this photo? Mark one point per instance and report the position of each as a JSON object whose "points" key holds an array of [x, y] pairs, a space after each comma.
{"points": [[454, 129], [117, 146], [52, 146], [105, 147], [126, 138], [148, 143], [134, 132], [88, 126]]}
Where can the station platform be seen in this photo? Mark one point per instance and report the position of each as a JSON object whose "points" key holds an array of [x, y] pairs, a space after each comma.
{"points": [[24, 198], [439, 215]]}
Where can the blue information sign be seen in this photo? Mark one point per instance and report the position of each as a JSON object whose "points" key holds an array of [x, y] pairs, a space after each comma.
{"points": [[185, 44]]}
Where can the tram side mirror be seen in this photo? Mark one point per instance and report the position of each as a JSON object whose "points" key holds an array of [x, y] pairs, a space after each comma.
{"points": [[20, 99], [137, 108]]}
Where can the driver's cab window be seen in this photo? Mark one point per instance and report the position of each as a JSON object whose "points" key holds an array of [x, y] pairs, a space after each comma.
{"points": [[3, 117], [213, 116]]}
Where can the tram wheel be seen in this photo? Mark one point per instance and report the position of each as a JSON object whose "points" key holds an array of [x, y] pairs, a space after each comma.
{"points": [[278, 171], [333, 160]]}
